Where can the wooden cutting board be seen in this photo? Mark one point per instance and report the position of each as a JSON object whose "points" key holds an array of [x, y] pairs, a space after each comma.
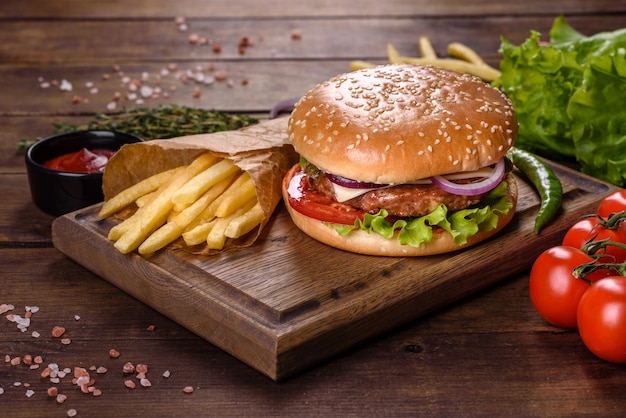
{"points": [[288, 302]]}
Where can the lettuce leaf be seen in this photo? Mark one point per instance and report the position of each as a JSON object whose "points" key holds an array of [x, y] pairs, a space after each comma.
{"points": [[569, 97], [415, 231]]}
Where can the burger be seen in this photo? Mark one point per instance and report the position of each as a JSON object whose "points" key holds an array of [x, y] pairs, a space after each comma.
{"points": [[401, 160]]}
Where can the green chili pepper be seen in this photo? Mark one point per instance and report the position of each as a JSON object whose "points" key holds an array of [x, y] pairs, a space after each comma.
{"points": [[545, 181]]}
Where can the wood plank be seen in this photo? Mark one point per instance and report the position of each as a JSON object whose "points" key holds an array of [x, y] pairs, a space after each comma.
{"points": [[269, 307], [118, 42], [21, 223], [510, 335], [268, 83], [270, 8]]}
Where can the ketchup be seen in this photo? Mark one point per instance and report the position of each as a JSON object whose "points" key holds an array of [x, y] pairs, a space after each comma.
{"points": [[83, 161]]}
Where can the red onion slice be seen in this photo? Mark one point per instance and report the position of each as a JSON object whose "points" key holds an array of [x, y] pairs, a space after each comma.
{"points": [[282, 106], [352, 184], [472, 189]]}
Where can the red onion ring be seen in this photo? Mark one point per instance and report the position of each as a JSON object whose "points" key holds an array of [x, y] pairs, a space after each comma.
{"points": [[352, 184], [282, 106], [472, 189]]}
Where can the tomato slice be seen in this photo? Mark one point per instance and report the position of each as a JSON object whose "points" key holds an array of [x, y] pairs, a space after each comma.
{"points": [[316, 205]]}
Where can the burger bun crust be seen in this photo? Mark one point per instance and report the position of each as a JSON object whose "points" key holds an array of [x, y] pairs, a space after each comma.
{"points": [[394, 124]]}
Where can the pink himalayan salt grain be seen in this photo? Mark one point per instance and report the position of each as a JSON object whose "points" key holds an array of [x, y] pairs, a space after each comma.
{"points": [[142, 368], [113, 353], [72, 412], [128, 367], [5, 307], [129, 384], [60, 398], [57, 331], [145, 383], [188, 389]]}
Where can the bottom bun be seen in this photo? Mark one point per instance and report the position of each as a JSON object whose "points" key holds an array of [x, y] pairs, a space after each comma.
{"points": [[362, 242]]}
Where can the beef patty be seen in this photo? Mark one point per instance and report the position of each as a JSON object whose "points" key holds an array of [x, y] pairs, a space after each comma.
{"points": [[404, 200]]}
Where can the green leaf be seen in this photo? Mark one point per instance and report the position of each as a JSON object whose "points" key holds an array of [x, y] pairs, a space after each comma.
{"points": [[569, 97], [461, 225]]}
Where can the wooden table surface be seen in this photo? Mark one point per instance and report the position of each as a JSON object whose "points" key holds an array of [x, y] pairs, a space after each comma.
{"points": [[487, 355]]}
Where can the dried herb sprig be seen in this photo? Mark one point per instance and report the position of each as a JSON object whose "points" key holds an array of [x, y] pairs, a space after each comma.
{"points": [[162, 122]]}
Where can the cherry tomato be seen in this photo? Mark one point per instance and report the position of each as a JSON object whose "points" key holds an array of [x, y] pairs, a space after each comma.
{"points": [[554, 291], [602, 319], [592, 228], [316, 205], [615, 202]]}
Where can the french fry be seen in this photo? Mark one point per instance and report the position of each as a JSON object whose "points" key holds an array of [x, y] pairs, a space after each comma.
{"points": [[120, 229], [360, 65], [154, 214], [392, 54], [215, 193], [131, 194], [463, 60], [203, 181], [426, 48], [199, 233], [217, 238], [176, 224], [241, 191], [208, 201], [143, 200], [485, 72], [245, 222], [465, 53]]}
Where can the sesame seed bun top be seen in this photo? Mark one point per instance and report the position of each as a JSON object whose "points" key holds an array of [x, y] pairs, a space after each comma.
{"points": [[400, 123]]}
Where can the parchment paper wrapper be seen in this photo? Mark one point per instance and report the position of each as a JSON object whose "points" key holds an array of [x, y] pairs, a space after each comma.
{"points": [[263, 150]]}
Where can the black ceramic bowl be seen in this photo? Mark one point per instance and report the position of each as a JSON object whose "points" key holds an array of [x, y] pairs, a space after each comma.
{"points": [[59, 192]]}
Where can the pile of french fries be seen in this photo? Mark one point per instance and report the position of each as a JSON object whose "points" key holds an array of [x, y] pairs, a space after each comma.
{"points": [[462, 59], [209, 200]]}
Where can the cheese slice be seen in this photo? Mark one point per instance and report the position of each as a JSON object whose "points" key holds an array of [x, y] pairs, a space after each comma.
{"points": [[346, 193]]}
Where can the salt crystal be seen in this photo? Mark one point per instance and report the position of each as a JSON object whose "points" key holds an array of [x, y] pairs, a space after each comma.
{"points": [[5, 307], [167, 374], [30, 393], [111, 106], [1, 391], [76, 317], [146, 91], [66, 85]]}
